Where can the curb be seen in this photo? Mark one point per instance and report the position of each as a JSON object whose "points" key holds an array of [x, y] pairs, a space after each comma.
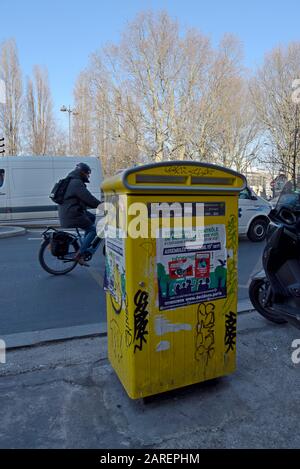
{"points": [[245, 306], [38, 338], [10, 231], [34, 224], [45, 337]]}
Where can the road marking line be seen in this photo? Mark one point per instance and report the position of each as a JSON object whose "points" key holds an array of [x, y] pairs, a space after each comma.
{"points": [[34, 239]]}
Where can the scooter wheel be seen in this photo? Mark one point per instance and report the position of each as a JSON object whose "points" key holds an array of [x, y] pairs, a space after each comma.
{"points": [[257, 293]]}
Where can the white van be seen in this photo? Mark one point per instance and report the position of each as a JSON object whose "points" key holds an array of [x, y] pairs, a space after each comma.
{"points": [[27, 181], [253, 215]]}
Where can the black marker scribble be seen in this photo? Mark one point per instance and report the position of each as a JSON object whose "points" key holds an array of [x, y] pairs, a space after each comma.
{"points": [[140, 319], [230, 331]]}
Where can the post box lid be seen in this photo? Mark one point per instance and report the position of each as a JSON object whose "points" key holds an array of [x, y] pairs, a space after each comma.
{"points": [[176, 177]]}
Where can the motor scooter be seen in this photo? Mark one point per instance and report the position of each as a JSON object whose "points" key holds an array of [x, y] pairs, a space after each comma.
{"points": [[275, 291]]}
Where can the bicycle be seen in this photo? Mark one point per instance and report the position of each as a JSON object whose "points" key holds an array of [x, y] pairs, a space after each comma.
{"points": [[54, 262]]}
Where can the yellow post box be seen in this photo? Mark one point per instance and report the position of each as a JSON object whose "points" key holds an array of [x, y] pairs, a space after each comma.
{"points": [[171, 274]]}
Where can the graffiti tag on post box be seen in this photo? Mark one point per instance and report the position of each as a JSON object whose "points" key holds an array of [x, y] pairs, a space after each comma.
{"points": [[140, 319]]}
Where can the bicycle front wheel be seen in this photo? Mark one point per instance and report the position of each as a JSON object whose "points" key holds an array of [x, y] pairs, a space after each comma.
{"points": [[53, 265]]}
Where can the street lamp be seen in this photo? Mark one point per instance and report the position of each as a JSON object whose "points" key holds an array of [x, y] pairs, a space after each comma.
{"points": [[70, 111]]}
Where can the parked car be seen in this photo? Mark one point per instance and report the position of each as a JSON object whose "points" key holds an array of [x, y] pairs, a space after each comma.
{"points": [[26, 182], [253, 215]]}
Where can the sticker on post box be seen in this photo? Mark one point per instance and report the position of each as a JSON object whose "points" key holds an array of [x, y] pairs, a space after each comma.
{"points": [[202, 265], [115, 264], [191, 270], [181, 268]]}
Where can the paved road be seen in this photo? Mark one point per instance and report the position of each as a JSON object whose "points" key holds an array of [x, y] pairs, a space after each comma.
{"points": [[249, 262], [31, 299]]}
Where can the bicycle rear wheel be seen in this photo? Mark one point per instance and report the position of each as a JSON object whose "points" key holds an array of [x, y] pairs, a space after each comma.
{"points": [[53, 265]]}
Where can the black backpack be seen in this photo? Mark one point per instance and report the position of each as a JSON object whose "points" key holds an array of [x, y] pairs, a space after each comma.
{"points": [[58, 192]]}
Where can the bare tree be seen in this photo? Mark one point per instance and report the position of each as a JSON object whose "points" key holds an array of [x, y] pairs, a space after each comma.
{"points": [[235, 129], [58, 145], [40, 122], [272, 94], [144, 86], [82, 128], [11, 112], [161, 95]]}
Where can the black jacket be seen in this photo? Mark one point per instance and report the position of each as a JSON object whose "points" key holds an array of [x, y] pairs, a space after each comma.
{"points": [[73, 212]]}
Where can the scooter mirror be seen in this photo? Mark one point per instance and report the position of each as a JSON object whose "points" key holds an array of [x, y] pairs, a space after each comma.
{"points": [[287, 216]]}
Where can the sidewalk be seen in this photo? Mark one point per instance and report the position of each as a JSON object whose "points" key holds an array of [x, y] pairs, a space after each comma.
{"points": [[66, 395]]}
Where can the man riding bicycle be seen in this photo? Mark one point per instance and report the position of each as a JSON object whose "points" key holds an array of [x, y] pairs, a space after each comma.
{"points": [[73, 211]]}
